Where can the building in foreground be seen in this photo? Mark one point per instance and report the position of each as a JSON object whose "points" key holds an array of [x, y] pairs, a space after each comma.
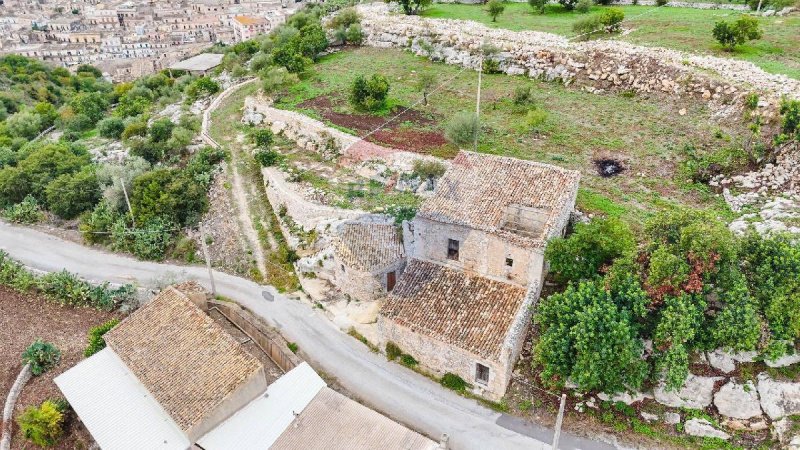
{"points": [[172, 378], [476, 264]]}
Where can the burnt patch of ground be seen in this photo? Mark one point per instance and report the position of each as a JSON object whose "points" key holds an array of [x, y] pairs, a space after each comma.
{"points": [[412, 131], [608, 167], [25, 318]]}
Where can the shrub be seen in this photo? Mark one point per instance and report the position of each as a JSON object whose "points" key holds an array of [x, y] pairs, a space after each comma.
{"points": [[111, 127], [612, 18], [535, 120], [344, 18], [428, 170], [369, 94], [661, 2], [522, 96], [14, 274], [267, 158], [71, 194], [790, 112], [729, 35], [353, 35], [408, 360], [392, 351], [591, 246], [411, 7], [537, 5], [495, 8], [426, 81], [751, 101], [583, 6], [27, 211], [292, 347], [42, 356], [462, 129], [262, 138], [454, 382], [202, 86], [42, 426], [587, 26], [96, 341]]}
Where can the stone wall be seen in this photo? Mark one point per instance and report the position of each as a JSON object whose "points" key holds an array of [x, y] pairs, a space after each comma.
{"points": [[596, 66], [439, 358]]}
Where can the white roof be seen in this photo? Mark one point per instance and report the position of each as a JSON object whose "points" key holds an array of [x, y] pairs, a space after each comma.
{"points": [[201, 62], [262, 421], [117, 410]]}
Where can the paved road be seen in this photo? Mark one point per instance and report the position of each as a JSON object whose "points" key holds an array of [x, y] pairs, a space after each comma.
{"points": [[387, 387]]}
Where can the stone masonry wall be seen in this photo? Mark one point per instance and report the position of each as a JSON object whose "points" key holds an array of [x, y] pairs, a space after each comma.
{"points": [[439, 358], [597, 66]]}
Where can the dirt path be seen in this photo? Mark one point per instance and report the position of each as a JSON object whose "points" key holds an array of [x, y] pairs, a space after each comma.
{"points": [[240, 200]]}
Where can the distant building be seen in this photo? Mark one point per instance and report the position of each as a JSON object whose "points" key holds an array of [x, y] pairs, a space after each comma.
{"points": [[247, 27], [476, 266]]}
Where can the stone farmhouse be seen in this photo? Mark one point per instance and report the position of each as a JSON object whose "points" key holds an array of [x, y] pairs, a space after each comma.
{"points": [[476, 265], [172, 378], [369, 259]]}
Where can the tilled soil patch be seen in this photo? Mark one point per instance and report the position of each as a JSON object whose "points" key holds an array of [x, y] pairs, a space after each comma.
{"points": [[419, 138], [25, 318]]}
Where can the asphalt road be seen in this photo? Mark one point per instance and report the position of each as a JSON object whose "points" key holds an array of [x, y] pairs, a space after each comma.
{"points": [[387, 387]]}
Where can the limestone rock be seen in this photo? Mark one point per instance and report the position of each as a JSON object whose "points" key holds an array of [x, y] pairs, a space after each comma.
{"points": [[672, 418], [649, 417], [703, 428], [778, 398], [784, 361], [721, 361], [697, 393], [739, 401], [625, 397]]}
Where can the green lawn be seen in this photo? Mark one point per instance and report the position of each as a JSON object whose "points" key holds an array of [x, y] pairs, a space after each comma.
{"points": [[647, 134], [679, 28]]}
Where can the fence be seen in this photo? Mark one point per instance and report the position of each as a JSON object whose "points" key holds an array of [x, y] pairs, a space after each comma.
{"points": [[268, 340]]}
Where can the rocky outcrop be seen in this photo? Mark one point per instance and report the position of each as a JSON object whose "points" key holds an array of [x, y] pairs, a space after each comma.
{"points": [[697, 393], [778, 398], [739, 401], [703, 428]]}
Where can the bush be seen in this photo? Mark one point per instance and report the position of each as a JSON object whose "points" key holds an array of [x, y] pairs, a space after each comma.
{"points": [[27, 211], [537, 5], [262, 138], [462, 129], [495, 8], [354, 35], [344, 18], [111, 127], [535, 120], [408, 360], [729, 35], [590, 247], [202, 86], [454, 382], [428, 170], [42, 356], [71, 194], [583, 6], [661, 2], [267, 158], [392, 351], [790, 117], [411, 7], [612, 18], [587, 26], [369, 94], [42, 426], [569, 5], [522, 96], [14, 274], [96, 341]]}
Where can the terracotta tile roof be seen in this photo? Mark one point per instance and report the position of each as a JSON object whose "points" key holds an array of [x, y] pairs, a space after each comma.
{"points": [[332, 420], [465, 310], [479, 191], [185, 359], [368, 246]]}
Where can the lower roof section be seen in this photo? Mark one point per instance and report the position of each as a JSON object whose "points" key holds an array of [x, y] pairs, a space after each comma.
{"points": [[117, 410]]}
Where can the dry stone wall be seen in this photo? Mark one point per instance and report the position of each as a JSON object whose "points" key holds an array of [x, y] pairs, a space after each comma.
{"points": [[597, 66]]}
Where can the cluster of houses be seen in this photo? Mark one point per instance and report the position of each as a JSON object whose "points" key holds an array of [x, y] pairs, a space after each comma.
{"points": [[131, 38], [457, 284]]}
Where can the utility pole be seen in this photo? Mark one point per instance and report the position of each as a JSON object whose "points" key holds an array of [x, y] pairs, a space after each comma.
{"points": [[208, 259], [128, 201], [478, 107], [559, 420]]}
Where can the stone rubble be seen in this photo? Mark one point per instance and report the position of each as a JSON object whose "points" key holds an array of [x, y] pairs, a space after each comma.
{"points": [[696, 393], [778, 398], [739, 401]]}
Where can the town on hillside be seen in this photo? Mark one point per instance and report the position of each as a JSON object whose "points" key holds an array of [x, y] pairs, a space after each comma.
{"points": [[401, 224]]}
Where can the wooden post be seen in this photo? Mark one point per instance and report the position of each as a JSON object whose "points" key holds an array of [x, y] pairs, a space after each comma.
{"points": [[128, 201], [478, 107], [559, 420], [208, 259]]}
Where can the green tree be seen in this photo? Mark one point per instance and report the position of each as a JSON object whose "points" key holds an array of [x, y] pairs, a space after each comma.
{"points": [[71, 194], [729, 35], [369, 94], [312, 41], [32, 174], [589, 337], [93, 105], [111, 127], [590, 247], [203, 86], [537, 6], [42, 426], [160, 130], [24, 124], [262, 138], [411, 7], [426, 81], [495, 8]]}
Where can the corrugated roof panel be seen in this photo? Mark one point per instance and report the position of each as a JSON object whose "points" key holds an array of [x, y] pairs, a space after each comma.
{"points": [[259, 424], [116, 409]]}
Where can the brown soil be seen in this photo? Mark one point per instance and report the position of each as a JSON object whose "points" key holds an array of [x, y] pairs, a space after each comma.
{"points": [[395, 135], [25, 318]]}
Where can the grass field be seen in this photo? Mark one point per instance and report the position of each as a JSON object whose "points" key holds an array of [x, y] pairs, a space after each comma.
{"points": [[678, 28], [647, 135]]}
